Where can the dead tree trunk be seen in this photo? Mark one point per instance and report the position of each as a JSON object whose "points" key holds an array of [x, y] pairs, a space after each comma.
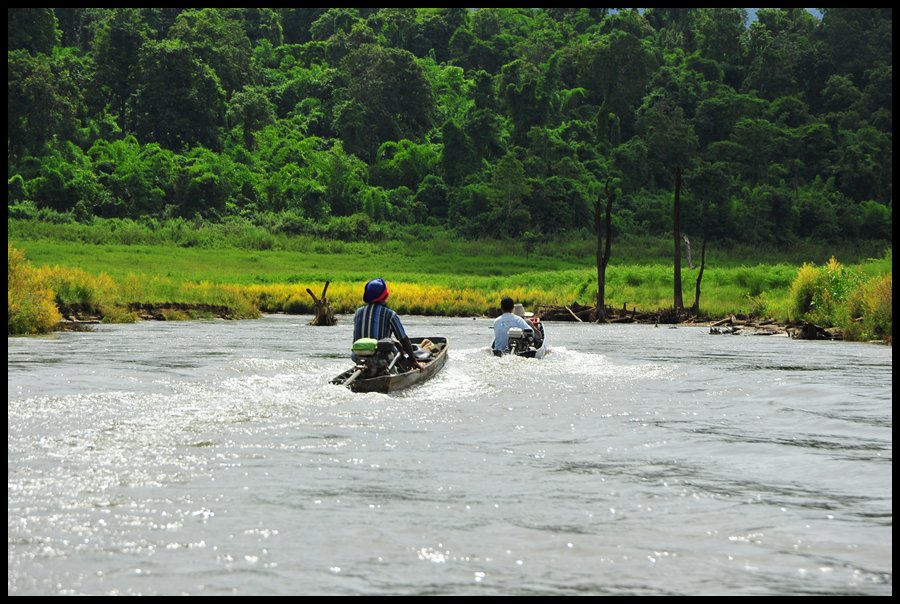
{"points": [[687, 251], [676, 216], [696, 308], [603, 251], [324, 312]]}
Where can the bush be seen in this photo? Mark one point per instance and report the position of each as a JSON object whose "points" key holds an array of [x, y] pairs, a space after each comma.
{"points": [[803, 290], [15, 189], [29, 300], [819, 295], [21, 211], [871, 310], [77, 291]]}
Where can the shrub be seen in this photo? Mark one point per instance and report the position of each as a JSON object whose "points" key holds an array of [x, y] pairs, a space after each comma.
{"points": [[77, 291], [819, 295], [871, 310], [29, 300], [803, 290]]}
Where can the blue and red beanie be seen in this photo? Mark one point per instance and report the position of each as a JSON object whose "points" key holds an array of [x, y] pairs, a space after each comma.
{"points": [[376, 291]]}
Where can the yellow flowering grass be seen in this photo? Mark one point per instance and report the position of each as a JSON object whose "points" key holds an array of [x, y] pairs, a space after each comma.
{"points": [[30, 303], [871, 310]]}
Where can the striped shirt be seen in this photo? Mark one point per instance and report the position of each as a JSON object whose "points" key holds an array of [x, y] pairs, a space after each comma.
{"points": [[377, 321]]}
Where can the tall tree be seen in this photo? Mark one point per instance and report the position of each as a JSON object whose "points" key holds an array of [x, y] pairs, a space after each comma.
{"points": [[259, 24], [39, 104], [342, 176], [388, 98], [522, 90], [32, 29], [615, 70], [603, 249], [458, 158], [219, 42], [509, 186], [858, 39], [676, 233], [178, 101], [78, 25], [718, 32], [333, 21], [252, 109], [116, 46], [670, 138], [296, 23]]}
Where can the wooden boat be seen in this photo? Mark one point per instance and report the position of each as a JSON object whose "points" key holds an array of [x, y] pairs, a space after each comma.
{"points": [[394, 381]]}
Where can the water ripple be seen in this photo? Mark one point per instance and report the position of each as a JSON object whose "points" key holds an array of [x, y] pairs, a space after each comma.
{"points": [[212, 458]]}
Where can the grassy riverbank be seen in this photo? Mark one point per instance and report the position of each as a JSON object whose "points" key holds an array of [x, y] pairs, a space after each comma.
{"points": [[423, 280], [429, 276]]}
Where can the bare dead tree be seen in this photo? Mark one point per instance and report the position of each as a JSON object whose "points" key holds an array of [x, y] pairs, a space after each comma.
{"points": [[687, 251], [696, 308], [324, 312], [676, 215], [603, 250]]}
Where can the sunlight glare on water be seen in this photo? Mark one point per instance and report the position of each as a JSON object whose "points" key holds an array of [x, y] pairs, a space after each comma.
{"points": [[214, 457]]}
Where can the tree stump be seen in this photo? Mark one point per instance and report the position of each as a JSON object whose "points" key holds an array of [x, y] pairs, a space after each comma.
{"points": [[324, 312]]}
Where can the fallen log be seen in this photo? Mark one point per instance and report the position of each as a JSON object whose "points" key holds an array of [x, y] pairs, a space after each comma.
{"points": [[573, 314]]}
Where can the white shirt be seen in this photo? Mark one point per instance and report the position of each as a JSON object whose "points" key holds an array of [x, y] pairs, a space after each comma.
{"points": [[502, 325]]}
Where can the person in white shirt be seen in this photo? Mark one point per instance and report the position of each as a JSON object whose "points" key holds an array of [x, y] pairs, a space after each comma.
{"points": [[504, 322]]}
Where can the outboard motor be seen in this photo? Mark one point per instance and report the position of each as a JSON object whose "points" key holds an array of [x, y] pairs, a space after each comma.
{"points": [[375, 357], [519, 340]]}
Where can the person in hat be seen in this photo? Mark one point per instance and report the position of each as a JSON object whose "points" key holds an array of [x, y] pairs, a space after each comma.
{"points": [[529, 317], [375, 320], [505, 322]]}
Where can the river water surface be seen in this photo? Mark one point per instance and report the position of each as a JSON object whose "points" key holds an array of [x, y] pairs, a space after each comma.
{"points": [[214, 457]]}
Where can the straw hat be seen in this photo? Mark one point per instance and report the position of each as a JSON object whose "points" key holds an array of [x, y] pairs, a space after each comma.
{"points": [[518, 309]]}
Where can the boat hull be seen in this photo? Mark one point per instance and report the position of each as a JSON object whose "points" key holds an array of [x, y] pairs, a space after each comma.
{"points": [[534, 353], [531, 353], [399, 381]]}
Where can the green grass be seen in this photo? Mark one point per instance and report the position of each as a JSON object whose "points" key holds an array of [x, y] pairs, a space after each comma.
{"points": [[347, 262], [648, 286], [464, 277]]}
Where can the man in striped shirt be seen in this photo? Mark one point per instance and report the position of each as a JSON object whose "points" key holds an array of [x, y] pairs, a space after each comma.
{"points": [[375, 320]]}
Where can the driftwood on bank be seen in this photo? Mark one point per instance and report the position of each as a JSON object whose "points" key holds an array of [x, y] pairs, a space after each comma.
{"points": [[739, 324], [324, 312], [168, 311], [573, 314], [732, 325], [583, 314], [808, 331]]}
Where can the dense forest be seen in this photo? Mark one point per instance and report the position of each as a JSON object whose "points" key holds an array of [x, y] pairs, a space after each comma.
{"points": [[489, 122]]}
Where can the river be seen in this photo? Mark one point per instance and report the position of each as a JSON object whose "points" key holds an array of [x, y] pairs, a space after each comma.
{"points": [[214, 458]]}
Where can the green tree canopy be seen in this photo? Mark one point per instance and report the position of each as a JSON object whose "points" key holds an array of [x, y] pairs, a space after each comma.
{"points": [[178, 101]]}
